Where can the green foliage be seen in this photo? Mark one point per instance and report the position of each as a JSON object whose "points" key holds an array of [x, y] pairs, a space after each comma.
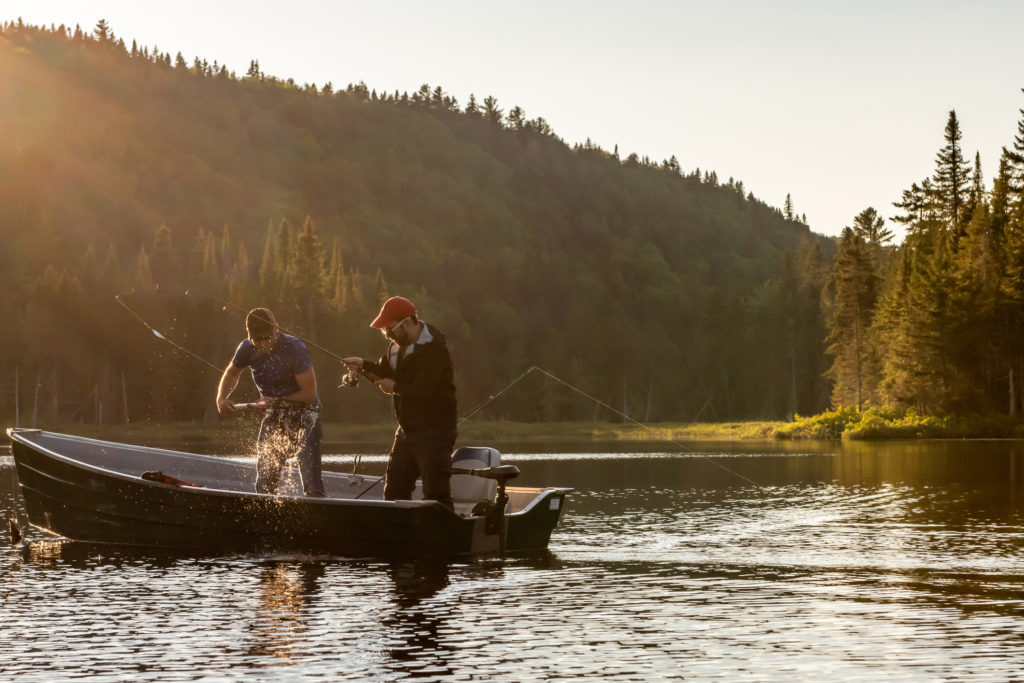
{"points": [[891, 423], [828, 425], [666, 295]]}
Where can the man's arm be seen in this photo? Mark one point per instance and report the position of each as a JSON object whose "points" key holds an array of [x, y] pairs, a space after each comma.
{"points": [[372, 371], [228, 382], [307, 387]]}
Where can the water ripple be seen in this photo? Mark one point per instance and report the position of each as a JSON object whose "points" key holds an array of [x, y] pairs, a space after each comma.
{"points": [[662, 569]]}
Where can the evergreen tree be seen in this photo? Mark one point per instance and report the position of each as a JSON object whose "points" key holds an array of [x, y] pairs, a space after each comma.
{"points": [[163, 261], [854, 292], [337, 281], [102, 31], [932, 322], [870, 227], [951, 179], [306, 276], [276, 254], [491, 111], [891, 333]]}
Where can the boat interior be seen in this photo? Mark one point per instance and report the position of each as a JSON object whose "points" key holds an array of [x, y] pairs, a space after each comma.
{"points": [[237, 475]]}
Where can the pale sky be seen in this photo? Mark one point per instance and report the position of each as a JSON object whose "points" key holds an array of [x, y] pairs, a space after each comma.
{"points": [[840, 104]]}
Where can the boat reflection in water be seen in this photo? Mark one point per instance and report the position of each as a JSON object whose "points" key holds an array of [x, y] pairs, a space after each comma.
{"points": [[414, 625]]}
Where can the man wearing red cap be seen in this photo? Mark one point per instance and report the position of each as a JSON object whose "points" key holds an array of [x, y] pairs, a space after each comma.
{"points": [[416, 370]]}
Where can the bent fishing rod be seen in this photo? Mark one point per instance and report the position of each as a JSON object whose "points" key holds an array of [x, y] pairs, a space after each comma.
{"points": [[162, 336], [490, 399], [346, 381], [535, 368], [225, 304]]}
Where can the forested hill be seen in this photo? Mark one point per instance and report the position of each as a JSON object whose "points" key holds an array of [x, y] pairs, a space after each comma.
{"points": [[661, 291]]}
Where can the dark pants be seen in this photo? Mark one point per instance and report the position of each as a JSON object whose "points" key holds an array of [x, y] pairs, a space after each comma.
{"points": [[426, 455], [280, 439]]}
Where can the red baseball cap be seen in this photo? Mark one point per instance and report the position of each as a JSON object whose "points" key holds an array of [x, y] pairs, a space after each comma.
{"points": [[393, 310]]}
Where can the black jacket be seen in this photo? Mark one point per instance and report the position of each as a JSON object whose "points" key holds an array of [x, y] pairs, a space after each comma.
{"points": [[424, 397]]}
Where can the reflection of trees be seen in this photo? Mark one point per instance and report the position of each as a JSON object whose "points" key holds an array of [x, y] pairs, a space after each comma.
{"points": [[285, 590]]}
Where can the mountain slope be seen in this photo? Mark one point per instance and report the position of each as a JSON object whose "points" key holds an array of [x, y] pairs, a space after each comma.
{"points": [[664, 294]]}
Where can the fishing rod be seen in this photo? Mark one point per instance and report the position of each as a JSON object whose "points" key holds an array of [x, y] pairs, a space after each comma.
{"points": [[534, 368], [162, 336], [225, 304], [490, 399]]}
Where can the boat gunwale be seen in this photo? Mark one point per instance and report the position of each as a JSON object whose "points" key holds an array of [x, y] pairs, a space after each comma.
{"points": [[19, 434], [14, 434]]}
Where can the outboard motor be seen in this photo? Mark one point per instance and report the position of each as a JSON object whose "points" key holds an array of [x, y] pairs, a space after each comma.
{"points": [[487, 496]]}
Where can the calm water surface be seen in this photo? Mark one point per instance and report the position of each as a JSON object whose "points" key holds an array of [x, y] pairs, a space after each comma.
{"points": [[739, 562]]}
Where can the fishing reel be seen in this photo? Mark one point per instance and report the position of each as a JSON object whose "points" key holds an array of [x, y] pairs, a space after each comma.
{"points": [[349, 379]]}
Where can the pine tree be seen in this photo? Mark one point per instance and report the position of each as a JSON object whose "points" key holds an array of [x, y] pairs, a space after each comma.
{"points": [[143, 272], [932, 321], [516, 118], [870, 227], [163, 261], [275, 259], [238, 279], [1015, 163], [890, 331], [491, 111], [854, 289], [337, 281], [380, 287], [226, 246], [306, 277], [951, 180], [102, 31]]}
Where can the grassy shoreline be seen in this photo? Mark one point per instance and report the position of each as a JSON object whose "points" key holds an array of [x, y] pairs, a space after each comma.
{"points": [[234, 429], [844, 424]]}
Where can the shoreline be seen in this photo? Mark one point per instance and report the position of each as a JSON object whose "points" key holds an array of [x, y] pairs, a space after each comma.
{"points": [[379, 435]]}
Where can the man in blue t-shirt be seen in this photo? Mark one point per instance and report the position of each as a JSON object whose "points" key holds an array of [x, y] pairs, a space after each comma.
{"points": [[283, 373]]}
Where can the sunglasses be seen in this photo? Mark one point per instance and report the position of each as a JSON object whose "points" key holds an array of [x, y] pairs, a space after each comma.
{"points": [[389, 332]]}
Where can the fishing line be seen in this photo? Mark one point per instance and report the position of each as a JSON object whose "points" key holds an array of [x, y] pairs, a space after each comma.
{"points": [[225, 304], [490, 399], [163, 337], [601, 403]]}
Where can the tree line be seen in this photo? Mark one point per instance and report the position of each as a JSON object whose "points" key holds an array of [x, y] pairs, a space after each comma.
{"points": [[935, 324], [668, 294]]}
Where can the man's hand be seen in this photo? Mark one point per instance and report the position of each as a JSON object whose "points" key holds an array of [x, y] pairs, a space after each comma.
{"points": [[225, 406], [353, 363]]}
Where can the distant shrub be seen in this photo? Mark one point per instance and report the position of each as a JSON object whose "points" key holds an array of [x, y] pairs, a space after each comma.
{"points": [[827, 425], [889, 423]]}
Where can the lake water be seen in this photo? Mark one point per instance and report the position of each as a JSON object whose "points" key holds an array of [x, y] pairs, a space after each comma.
{"points": [[756, 562]]}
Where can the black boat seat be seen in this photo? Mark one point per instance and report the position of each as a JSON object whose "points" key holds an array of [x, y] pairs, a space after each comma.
{"points": [[467, 490]]}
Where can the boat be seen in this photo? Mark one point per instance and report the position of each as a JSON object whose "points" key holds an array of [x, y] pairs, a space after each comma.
{"points": [[96, 491]]}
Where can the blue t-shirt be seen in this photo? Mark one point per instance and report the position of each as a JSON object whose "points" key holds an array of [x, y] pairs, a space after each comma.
{"points": [[274, 372]]}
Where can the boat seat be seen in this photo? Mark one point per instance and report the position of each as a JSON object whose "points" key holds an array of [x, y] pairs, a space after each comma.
{"points": [[467, 490]]}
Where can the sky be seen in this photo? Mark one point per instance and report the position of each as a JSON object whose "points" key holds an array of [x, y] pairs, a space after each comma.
{"points": [[840, 105]]}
